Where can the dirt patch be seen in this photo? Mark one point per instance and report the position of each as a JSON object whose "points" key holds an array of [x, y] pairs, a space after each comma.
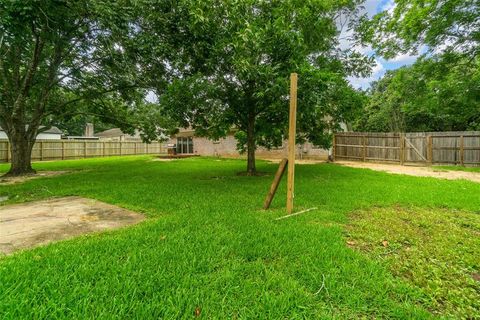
{"points": [[37, 223], [41, 174], [414, 171]]}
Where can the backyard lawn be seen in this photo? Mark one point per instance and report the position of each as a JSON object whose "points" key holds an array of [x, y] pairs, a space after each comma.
{"points": [[458, 168], [207, 250]]}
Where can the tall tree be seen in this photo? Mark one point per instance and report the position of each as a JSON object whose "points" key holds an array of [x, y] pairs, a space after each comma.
{"points": [[440, 93], [445, 25], [249, 48], [55, 54]]}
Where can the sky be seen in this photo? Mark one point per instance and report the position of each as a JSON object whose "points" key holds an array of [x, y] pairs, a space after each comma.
{"points": [[372, 7]]}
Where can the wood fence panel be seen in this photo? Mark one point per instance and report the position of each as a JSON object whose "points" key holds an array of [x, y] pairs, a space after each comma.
{"points": [[68, 149], [416, 148], [4, 156], [459, 148], [446, 149], [471, 146]]}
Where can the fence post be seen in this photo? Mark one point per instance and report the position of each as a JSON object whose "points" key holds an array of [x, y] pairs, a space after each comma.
{"points": [[85, 149], [8, 151], [103, 148], [402, 148], [430, 149], [63, 150], [121, 145], [41, 150], [364, 147], [334, 147], [462, 151]]}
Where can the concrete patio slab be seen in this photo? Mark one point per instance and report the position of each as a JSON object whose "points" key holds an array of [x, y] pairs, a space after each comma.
{"points": [[37, 223]]}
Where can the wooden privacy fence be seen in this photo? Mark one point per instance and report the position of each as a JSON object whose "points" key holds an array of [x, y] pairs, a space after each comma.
{"points": [[74, 149], [459, 148]]}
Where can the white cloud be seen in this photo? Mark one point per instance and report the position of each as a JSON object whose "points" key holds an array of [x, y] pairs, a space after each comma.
{"points": [[389, 6], [151, 97], [404, 58], [407, 58]]}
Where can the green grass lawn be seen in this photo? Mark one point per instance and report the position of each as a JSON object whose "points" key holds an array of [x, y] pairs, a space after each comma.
{"points": [[458, 168], [208, 250]]}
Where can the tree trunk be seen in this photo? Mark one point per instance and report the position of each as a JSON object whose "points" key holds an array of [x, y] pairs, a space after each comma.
{"points": [[21, 147], [251, 146]]}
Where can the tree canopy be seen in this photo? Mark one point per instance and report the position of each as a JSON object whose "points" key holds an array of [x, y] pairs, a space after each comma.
{"points": [[445, 25], [63, 58], [249, 50], [440, 93]]}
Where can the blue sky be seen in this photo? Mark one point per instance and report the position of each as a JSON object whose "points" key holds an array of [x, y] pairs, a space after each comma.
{"points": [[372, 7]]}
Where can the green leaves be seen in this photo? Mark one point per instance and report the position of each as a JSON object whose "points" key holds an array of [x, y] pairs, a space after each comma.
{"points": [[440, 93], [251, 48], [445, 25]]}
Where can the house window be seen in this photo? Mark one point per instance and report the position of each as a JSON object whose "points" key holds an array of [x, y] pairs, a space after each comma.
{"points": [[184, 145]]}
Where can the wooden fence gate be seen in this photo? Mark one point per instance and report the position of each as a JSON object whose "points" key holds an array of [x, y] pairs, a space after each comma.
{"points": [[459, 148]]}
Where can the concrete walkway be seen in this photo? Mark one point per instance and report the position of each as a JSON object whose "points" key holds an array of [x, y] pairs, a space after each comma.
{"points": [[37, 223]]}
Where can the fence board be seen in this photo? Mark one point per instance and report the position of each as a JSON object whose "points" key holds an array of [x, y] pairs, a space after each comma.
{"points": [[67, 149], [459, 148]]}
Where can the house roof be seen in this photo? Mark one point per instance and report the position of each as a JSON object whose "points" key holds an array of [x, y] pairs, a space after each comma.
{"points": [[115, 132], [52, 130]]}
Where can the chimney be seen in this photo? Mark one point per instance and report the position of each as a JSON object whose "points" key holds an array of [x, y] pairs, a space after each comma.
{"points": [[88, 130]]}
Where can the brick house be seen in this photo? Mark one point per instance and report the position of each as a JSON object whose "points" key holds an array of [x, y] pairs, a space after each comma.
{"points": [[186, 142]]}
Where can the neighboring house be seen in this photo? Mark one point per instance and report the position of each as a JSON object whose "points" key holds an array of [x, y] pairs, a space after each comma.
{"points": [[50, 134], [116, 134], [187, 143]]}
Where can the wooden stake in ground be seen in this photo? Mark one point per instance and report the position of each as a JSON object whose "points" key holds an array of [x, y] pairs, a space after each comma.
{"points": [[291, 141], [275, 183]]}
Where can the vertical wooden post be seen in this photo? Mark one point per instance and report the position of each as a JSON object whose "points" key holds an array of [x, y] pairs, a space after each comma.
{"points": [[462, 151], [63, 150], [121, 145], [429, 149], [291, 141], [41, 150], [8, 151], [84, 149], [334, 147], [402, 148], [364, 154]]}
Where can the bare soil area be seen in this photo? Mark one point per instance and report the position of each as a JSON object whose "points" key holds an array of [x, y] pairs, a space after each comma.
{"points": [[37, 223], [40, 174], [414, 171]]}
